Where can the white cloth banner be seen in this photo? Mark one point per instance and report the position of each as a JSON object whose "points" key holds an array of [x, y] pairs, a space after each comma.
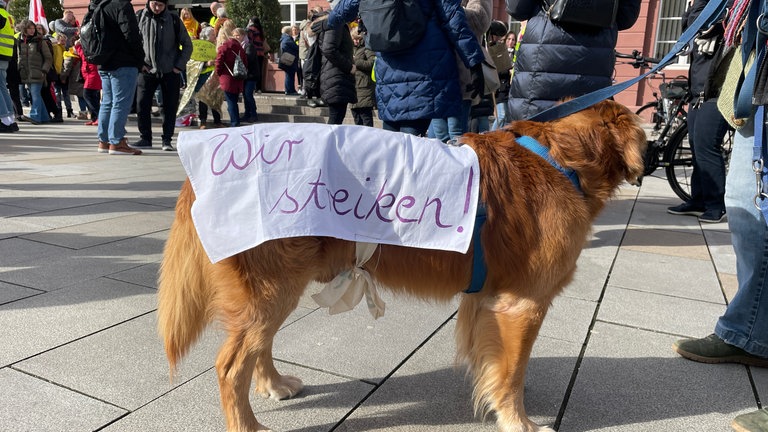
{"points": [[279, 180]]}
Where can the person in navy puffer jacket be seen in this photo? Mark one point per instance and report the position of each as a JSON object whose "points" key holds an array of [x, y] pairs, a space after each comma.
{"points": [[557, 61], [421, 83]]}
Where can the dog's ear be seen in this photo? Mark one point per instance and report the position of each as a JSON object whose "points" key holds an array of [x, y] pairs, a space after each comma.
{"points": [[628, 135]]}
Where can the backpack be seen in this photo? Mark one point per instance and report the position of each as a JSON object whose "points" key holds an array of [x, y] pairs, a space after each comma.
{"points": [[311, 68], [93, 36], [392, 25]]}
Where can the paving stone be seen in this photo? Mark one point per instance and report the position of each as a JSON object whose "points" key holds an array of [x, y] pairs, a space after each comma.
{"points": [[40, 323], [92, 233], [666, 242], [9, 293], [568, 319], [336, 343], [90, 365], [54, 272], [30, 404], [661, 313], [195, 406], [15, 250], [77, 216], [664, 274], [631, 380]]}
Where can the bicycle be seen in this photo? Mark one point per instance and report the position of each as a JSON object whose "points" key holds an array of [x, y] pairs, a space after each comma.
{"points": [[668, 144]]}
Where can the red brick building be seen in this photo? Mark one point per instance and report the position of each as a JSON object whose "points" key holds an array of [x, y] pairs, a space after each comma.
{"points": [[654, 33]]}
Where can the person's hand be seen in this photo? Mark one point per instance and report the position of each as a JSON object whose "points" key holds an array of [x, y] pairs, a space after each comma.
{"points": [[354, 69], [706, 46], [176, 70], [320, 26], [477, 82]]}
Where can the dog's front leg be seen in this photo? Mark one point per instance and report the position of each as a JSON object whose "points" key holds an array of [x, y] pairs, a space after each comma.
{"points": [[495, 335]]}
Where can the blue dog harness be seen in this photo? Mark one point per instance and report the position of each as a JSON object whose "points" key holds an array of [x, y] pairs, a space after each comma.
{"points": [[479, 269]]}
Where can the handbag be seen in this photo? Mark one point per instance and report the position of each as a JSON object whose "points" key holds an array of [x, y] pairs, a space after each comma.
{"points": [[286, 60], [491, 75], [727, 98], [590, 13]]}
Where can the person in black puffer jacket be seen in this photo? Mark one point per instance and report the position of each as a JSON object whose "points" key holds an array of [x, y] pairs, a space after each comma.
{"points": [[706, 128], [337, 72], [557, 61]]}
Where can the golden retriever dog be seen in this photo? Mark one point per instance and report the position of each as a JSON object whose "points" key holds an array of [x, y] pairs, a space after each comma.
{"points": [[537, 224]]}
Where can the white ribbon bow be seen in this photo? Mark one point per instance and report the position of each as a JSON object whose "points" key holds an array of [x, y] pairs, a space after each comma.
{"points": [[346, 290]]}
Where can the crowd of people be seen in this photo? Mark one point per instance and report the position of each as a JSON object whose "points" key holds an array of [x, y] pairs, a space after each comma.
{"points": [[43, 69]]}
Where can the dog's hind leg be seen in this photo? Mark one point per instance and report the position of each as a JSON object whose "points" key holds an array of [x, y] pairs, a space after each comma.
{"points": [[495, 336]]}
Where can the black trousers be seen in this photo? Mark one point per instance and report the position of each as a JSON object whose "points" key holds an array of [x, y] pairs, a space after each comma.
{"points": [[92, 101], [706, 129], [169, 84], [336, 113], [363, 116]]}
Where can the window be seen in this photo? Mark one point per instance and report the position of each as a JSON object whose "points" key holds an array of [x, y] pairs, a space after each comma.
{"points": [[670, 27], [292, 12]]}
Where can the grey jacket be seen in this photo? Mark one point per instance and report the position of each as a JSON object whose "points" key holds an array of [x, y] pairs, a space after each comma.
{"points": [[162, 34]]}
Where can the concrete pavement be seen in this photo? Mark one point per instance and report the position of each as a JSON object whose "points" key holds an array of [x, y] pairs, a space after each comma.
{"points": [[81, 238]]}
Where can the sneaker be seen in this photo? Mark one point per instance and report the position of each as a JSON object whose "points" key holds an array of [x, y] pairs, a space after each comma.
{"points": [[312, 103], [167, 146], [29, 119], [756, 421], [686, 208], [6, 128], [57, 119], [712, 349], [142, 143], [82, 115], [103, 147], [15, 127], [123, 149], [712, 216]]}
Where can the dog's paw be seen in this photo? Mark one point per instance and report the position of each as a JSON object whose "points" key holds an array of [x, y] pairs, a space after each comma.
{"points": [[285, 387], [525, 427]]}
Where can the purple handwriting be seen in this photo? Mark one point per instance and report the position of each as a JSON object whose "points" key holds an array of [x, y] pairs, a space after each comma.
{"points": [[224, 158], [408, 209]]}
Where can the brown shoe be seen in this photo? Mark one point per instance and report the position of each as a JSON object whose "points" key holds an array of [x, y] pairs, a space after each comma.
{"points": [[123, 149], [103, 147]]}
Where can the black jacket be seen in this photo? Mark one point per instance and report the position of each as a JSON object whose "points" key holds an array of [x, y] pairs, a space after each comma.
{"points": [[337, 83], [554, 61], [123, 32]]}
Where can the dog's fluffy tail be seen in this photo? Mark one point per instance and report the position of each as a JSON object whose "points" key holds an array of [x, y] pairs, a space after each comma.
{"points": [[182, 294]]}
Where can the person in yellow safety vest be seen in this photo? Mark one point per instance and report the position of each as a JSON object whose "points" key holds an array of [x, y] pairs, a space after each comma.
{"points": [[7, 42], [214, 7]]}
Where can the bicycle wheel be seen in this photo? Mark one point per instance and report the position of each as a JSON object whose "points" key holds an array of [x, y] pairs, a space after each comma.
{"points": [[650, 115], [678, 159]]}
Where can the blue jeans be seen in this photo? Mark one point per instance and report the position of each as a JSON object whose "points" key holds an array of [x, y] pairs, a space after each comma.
{"points": [[745, 322], [290, 79], [6, 104], [232, 108], [248, 101], [38, 112], [413, 127], [118, 89], [451, 127], [501, 116]]}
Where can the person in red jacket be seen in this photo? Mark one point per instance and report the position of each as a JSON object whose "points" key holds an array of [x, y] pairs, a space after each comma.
{"points": [[225, 63], [91, 86]]}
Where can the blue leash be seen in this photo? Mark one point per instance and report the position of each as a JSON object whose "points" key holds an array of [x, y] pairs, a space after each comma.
{"points": [[708, 16]]}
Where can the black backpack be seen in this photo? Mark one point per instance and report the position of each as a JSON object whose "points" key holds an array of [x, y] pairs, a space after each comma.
{"points": [[93, 36], [311, 68], [392, 25]]}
